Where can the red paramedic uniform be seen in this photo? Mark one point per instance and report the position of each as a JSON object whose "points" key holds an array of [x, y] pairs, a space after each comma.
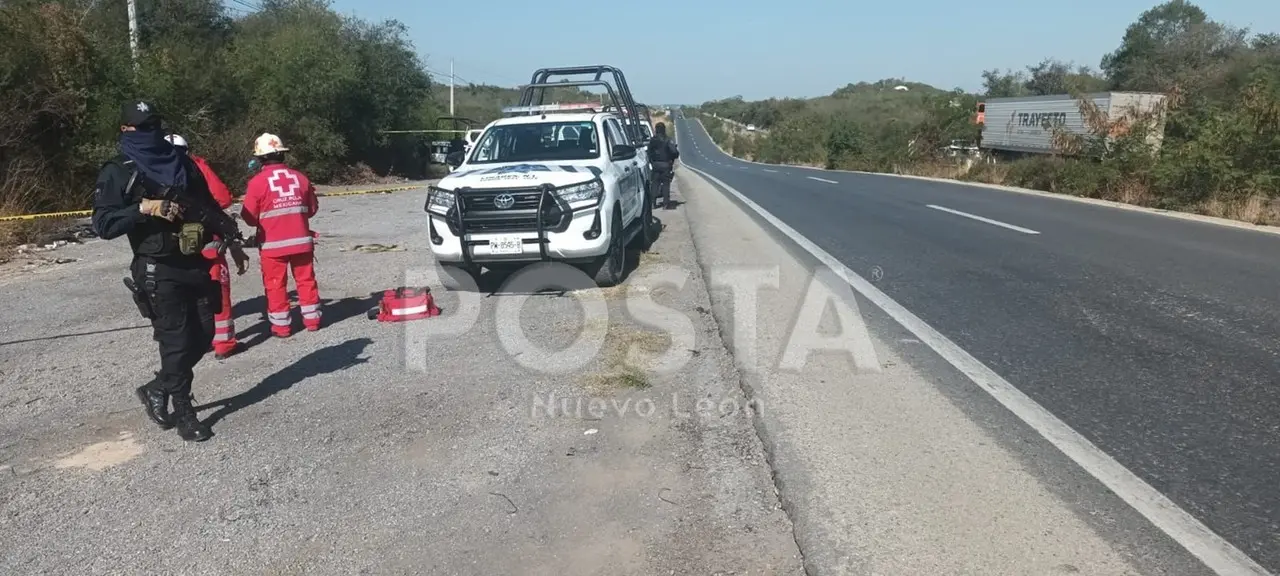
{"points": [[224, 326], [280, 202]]}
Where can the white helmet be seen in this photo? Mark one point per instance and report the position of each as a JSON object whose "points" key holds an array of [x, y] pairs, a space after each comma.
{"points": [[268, 144], [177, 140]]}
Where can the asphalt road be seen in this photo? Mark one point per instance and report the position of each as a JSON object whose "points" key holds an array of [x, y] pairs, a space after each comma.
{"points": [[1152, 337]]}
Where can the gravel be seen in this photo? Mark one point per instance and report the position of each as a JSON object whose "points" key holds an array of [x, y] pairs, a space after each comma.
{"points": [[366, 447]]}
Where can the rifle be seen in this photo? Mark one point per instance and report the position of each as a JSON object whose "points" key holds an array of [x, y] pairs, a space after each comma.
{"points": [[200, 211]]}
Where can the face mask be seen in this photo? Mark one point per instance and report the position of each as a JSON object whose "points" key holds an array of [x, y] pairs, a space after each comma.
{"points": [[145, 136], [255, 165], [155, 157]]}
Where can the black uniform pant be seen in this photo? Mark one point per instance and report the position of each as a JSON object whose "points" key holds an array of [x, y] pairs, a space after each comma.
{"points": [[183, 301], [662, 174]]}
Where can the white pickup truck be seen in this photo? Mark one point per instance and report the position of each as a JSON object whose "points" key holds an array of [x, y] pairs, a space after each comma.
{"points": [[565, 187]]}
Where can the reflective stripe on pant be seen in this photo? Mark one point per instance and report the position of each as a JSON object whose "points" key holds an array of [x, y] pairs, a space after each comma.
{"points": [[275, 282], [224, 325]]}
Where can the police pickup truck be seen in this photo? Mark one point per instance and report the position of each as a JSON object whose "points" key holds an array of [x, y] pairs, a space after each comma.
{"points": [[556, 184]]}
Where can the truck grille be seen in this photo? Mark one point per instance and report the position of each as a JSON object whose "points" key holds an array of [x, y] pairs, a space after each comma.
{"points": [[480, 213], [483, 201]]}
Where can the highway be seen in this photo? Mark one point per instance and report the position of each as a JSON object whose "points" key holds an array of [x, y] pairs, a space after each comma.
{"points": [[1152, 337]]}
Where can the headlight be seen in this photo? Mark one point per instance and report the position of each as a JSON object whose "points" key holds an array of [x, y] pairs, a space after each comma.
{"points": [[439, 200], [579, 192]]}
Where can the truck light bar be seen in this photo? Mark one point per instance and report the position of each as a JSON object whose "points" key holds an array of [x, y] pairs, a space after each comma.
{"points": [[547, 108]]}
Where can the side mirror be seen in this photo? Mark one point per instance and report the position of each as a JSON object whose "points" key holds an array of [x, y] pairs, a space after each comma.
{"points": [[623, 152], [455, 159]]}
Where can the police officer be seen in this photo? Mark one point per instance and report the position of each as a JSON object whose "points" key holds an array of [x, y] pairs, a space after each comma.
{"points": [[160, 200], [662, 157]]}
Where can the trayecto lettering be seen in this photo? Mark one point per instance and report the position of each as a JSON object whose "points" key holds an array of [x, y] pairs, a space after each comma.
{"points": [[1044, 120]]}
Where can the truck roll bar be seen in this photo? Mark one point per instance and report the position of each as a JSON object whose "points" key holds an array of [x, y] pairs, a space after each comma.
{"points": [[535, 93]]}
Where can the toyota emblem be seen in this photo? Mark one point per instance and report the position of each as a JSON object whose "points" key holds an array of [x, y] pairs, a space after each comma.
{"points": [[504, 201]]}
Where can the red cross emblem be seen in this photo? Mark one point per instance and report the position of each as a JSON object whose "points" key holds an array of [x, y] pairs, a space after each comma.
{"points": [[284, 183]]}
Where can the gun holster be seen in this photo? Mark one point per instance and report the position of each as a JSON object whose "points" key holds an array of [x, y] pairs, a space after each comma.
{"points": [[141, 290]]}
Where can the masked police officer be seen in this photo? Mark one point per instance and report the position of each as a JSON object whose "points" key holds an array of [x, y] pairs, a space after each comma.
{"points": [[662, 157], [160, 200]]}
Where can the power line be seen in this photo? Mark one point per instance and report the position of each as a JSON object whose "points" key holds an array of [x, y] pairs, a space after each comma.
{"points": [[488, 72], [445, 76]]}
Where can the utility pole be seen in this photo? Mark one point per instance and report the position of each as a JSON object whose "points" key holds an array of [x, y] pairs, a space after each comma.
{"points": [[133, 32], [450, 84]]}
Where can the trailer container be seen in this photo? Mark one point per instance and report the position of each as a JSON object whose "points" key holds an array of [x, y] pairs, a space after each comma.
{"points": [[1027, 124]]}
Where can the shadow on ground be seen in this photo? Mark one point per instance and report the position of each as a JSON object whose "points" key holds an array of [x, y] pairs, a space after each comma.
{"points": [[545, 278], [74, 334], [334, 311], [323, 361]]}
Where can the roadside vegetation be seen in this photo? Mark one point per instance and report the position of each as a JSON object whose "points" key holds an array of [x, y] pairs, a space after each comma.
{"points": [[483, 103], [326, 82], [1220, 155]]}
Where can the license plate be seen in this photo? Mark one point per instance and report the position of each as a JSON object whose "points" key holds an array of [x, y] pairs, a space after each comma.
{"points": [[506, 245]]}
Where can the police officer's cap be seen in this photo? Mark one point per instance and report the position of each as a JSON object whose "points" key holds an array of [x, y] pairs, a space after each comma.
{"points": [[139, 113]]}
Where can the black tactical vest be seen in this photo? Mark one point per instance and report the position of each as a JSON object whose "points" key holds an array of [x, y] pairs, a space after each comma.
{"points": [[155, 237], [660, 150]]}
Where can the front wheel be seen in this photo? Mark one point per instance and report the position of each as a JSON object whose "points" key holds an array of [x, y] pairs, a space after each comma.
{"points": [[458, 277], [607, 270], [648, 227]]}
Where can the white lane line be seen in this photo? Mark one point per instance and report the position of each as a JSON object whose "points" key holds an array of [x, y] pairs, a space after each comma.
{"points": [[822, 179], [981, 219], [768, 170], [1219, 555]]}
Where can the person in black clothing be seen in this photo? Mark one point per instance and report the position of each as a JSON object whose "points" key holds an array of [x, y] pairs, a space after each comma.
{"points": [[160, 200], [662, 157]]}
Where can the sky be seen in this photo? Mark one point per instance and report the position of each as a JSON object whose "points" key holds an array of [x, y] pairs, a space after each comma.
{"points": [[691, 51]]}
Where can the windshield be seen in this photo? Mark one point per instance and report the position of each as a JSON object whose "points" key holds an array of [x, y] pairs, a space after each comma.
{"points": [[536, 142]]}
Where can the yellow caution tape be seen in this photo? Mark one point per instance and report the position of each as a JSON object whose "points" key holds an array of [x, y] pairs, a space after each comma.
{"points": [[73, 214], [84, 213], [372, 191]]}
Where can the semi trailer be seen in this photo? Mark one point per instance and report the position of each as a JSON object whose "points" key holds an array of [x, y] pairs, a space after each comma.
{"points": [[1026, 125]]}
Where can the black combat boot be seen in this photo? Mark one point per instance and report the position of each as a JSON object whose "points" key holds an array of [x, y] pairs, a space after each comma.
{"points": [[156, 404], [190, 428]]}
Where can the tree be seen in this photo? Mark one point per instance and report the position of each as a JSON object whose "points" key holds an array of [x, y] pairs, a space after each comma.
{"points": [[329, 84], [1003, 85], [1052, 76], [1172, 45]]}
